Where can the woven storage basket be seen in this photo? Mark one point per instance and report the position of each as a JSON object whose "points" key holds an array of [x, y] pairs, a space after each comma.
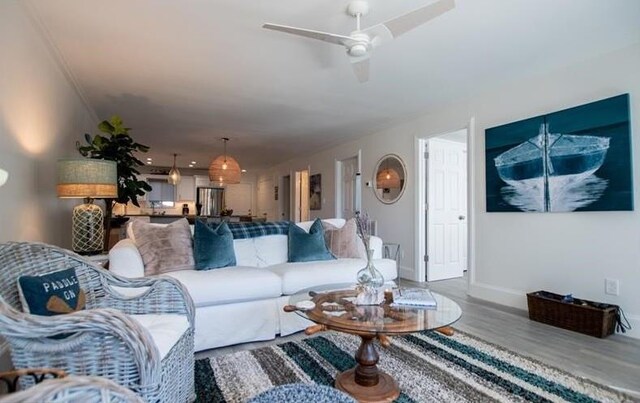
{"points": [[588, 317]]}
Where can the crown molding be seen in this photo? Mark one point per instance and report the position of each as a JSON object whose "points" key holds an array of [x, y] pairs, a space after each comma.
{"points": [[56, 54]]}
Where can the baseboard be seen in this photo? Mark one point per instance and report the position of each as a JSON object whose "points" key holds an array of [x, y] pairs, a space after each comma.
{"points": [[498, 295], [518, 299], [407, 273], [634, 321]]}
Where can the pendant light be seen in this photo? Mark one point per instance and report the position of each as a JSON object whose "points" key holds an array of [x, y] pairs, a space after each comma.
{"points": [[224, 170], [388, 178], [174, 174]]}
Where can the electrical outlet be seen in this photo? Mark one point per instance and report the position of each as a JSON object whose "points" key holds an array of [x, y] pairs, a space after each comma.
{"points": [[611, 286]]}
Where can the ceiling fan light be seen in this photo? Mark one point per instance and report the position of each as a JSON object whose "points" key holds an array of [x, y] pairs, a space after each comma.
{"points": [[358, 50]]}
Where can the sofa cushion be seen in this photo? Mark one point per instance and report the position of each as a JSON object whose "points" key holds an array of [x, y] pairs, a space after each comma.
{"points": [[165, 329], [246, 253], [164, 249], [271, 249], [229, 284], [336, 222], [301, 275], [213, 247], [344, 242], [306, 247]]}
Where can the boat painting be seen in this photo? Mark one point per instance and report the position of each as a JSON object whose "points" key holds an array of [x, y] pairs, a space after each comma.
{"points": [[566, 165], [548, 163]]}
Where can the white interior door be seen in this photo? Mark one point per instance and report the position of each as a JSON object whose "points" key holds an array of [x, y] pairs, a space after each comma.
{"points": [[301, 198], [348, 189], [446, 209], [266, 203], [239, 198]]}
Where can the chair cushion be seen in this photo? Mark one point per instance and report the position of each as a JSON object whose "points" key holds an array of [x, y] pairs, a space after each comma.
{"points": [[298, 276], [344, 242], [164, 249], [165, 329], [51, 294], [213, 247], [229, 284], [306, 247]]}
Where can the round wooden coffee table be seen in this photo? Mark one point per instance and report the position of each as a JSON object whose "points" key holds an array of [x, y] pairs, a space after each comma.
{"points": [[332, 309]]}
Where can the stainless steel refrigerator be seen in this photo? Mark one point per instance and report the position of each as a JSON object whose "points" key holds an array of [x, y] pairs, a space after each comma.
{"points": [[210, 201]]}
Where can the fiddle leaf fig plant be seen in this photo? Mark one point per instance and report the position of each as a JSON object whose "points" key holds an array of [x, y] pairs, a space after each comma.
{"points": [[117, 145]]}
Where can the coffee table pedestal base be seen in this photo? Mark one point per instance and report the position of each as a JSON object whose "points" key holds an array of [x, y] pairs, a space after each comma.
{"points": [[386, 390]]}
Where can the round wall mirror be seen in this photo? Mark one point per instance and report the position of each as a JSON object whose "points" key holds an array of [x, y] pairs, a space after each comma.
{"points": [[390, 179]]}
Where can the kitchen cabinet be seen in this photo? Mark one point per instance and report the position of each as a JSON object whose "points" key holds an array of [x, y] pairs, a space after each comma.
{"points": [[187, 189]]}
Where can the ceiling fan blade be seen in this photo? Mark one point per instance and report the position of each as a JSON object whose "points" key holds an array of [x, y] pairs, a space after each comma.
{"points": [[321, 36], [361, 68], [405, 23]]}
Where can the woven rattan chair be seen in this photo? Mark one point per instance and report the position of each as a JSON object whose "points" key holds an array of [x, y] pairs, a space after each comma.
{"points": [[75, 389], [105, 339]]}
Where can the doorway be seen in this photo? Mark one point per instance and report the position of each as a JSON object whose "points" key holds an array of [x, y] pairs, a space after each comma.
{"points": [[286, 198], [445, 187], [301, 201], [348, 185]]}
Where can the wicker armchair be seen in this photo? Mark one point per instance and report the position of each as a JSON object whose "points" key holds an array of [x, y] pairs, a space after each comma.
{"points": [[75, 389], [107, 340]]}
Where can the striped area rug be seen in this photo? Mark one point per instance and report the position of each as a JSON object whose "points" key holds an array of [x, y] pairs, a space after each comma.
{"points": [[428, 366]]}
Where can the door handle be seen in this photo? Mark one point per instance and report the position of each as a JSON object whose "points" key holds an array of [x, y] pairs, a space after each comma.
{"points": [[461, 217]]}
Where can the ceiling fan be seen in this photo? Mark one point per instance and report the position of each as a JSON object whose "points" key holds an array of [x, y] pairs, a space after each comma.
{"points": [[361, 42]]}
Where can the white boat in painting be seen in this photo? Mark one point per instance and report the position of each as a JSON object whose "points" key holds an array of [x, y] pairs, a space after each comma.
{"points": [[550, 162]]}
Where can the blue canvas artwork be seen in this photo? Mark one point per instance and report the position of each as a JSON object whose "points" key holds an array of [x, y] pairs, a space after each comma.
{"points": [[577, 159]]}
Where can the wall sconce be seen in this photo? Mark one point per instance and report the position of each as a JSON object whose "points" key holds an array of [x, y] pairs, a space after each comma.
{"points": [[4, 176]]}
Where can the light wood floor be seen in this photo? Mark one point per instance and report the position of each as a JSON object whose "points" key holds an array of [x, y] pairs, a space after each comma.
{"points": [[614, 361]]}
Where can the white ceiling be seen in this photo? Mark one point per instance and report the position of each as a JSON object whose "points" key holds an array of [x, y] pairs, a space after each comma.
{"points": [[184, 73]]}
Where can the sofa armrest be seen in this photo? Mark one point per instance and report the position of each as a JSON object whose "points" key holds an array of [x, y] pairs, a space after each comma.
{"points": [[375, 243], [125, 260]]}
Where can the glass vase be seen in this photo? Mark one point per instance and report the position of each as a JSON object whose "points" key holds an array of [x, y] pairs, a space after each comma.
{"points": [[370, 277]]}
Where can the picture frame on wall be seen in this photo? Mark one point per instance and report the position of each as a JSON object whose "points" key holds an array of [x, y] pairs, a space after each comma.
{"points": [[315, 192], [577, 159]]}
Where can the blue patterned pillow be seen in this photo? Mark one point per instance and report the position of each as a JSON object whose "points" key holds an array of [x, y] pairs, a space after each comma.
{"points": [[307, 247], [213, 248], [51, 294]]}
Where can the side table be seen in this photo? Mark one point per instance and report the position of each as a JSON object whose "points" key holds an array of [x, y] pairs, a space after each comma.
{"points": [[101, 260]]}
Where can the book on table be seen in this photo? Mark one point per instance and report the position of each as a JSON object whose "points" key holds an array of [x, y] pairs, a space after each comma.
{"points": [[413, 297]]}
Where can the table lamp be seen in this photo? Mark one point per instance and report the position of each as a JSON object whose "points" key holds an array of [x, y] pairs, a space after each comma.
{"points": [[87, 179]]}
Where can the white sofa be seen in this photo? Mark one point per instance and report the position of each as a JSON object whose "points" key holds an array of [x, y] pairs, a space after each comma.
{"points": [[244, 303]]}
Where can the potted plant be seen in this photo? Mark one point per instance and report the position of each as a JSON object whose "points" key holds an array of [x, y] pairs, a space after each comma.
{"points": [[117, 146]]}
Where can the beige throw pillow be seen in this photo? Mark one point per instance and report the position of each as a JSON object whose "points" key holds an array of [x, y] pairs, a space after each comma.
{"points": [[164, 249], [344, 242]]}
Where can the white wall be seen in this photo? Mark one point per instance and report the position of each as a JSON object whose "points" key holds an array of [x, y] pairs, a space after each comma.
{"points": [[515, 252], [41, 117]]}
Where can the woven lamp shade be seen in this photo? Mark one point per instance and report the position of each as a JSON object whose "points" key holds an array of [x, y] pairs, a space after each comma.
{"points": [[225, 176], [83, 177], [388, 179]]}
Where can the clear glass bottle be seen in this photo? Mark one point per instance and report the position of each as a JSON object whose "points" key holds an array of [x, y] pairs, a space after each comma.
{"points": [[370, 277]]}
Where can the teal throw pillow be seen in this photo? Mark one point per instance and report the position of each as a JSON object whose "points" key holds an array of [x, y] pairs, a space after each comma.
{"points": [[51, 294], [307, 247], [213, 248]]}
